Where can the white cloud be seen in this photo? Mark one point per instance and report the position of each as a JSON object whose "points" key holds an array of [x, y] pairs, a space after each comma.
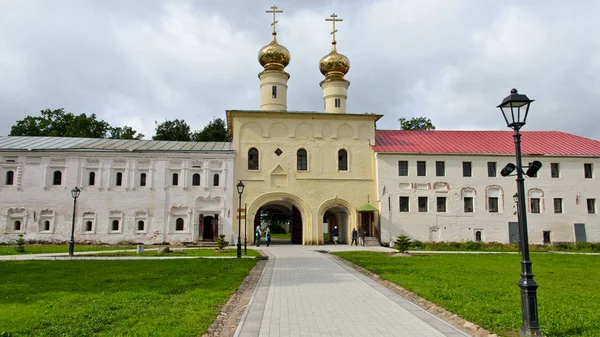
{"points": [[137, 62]]}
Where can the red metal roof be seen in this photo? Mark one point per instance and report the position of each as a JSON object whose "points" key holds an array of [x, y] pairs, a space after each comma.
{"points": [[484, 142]]}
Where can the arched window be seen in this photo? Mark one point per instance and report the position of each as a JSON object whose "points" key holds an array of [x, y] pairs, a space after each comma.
{"points": [[342, 160], [301, 160], [478, 236], [143, 179], [92, 178], [17, 224], [140, 225], [46, 225], [216, 180], [57, 178], [175, 179], [115, 225], [10, 177], [253, 159], [88, 226], [196, 179], [119, 180], [179, 224]]}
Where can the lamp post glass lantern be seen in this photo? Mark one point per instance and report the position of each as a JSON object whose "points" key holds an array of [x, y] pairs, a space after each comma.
{"points": [[240, 190], [515, 109], [75, 194]]}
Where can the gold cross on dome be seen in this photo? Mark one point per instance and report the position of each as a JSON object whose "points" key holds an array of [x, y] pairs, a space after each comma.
{"points": [[334, 20], [274, 10]]}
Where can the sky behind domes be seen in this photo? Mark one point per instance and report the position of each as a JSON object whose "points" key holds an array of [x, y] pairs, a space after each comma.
{"points": [[139, 61]]}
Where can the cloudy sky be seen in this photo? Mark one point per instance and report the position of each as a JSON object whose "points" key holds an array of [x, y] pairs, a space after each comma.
{"points": [[135, 62]]}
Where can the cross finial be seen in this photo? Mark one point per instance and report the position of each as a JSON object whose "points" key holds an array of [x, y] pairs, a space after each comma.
{"points": [[334, 20], [274, 10]]}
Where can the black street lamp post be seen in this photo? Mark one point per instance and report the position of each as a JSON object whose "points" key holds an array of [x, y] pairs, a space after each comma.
{"points": [[515, 108], [75, 194], [240, 189]]}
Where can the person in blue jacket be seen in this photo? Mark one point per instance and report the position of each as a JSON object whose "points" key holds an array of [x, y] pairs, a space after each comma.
{"points": [[354, 237], [334, 232]]}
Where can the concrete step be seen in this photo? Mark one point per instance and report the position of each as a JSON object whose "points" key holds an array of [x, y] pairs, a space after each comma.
{"points": [[371, 241], [201, 244]]}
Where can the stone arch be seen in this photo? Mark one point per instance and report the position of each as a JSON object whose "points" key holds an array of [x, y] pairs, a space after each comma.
{"points": [[364, 132], [304, 131], [278, 130], [266, 198], [350, 210], [251, 131], [344, 131]]}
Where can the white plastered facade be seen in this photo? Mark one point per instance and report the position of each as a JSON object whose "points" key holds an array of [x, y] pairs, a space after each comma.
{"points": [[457, 225], [141, 212]]}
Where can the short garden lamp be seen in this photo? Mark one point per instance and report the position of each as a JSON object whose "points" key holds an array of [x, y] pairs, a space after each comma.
{"points": [[75, 194], [240, 190]]}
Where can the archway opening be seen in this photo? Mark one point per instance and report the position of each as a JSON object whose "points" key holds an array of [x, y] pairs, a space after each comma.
{"points": [[336, 218], [284, 221]]}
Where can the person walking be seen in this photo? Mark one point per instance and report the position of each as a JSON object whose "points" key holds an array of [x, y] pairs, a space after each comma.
{"points": [[354, 237], [257, 235], [334, 232], [268, 236]]}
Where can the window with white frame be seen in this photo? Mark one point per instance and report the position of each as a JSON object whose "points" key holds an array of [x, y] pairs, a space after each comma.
{"points": [[179, 219], [140, 221], [342, 160], [216, 179], [558, 205], [468, 196], [441, 204], [196, 179], [16, 220], [404, 204], [89, 222], [46, 221], [536, 200], [115, 222], [494, 197], [591, 206], [423, 207]]}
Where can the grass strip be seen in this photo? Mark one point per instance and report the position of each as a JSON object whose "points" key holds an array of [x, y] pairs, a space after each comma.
{"points": [[483, 288], [116, 298]]}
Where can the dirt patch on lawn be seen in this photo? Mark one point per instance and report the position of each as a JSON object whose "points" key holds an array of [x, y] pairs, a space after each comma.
{"points": [[231, 313]]}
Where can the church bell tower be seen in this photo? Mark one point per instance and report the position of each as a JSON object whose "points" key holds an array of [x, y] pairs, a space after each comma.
{"points": [[273, 79], [334, 66]]}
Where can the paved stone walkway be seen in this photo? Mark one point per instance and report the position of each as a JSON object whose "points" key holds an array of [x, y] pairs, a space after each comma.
{"points": [[307, 293]]}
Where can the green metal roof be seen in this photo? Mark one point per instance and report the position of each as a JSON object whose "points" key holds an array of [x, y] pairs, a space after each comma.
{"points": [[367, 208]]}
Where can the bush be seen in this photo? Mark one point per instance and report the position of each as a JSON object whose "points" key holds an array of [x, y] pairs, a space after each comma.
{"points": [[417, 244], [276, 228], [221, 243], [20, 248], [402, 243]]}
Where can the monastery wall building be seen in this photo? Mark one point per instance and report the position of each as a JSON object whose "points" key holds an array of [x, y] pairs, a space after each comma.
{"points": [[131, 190], [318, 169]]}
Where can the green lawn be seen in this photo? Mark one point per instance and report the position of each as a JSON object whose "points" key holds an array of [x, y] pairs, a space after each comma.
{"points": [[116, 298], [186, 252], [483, 288], [280, 236], [46, 249]]}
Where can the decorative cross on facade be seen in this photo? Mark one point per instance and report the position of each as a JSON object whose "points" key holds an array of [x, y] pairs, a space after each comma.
{"points": [[274, 11], [334, 20]]}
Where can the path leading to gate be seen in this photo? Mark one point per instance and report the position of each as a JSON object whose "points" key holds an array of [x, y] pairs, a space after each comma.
{"points": [[304, 292]]}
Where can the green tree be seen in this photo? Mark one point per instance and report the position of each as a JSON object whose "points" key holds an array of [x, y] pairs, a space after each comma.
{"points": [[177, 130], [58, 123], [126, 132], [215, 131], [416, 123]]}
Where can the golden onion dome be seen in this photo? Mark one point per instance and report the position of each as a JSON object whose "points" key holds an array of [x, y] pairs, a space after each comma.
{"points": [[334, 62], [274, 54]]}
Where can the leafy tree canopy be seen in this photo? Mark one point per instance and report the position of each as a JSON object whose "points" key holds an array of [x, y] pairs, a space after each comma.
{"points": [[416, 123], [177, 130], [58, 123], [215, 131]]}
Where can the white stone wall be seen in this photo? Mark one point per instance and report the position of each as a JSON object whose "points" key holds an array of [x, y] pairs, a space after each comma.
{"points": [[33, 199], [456, 225]]}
